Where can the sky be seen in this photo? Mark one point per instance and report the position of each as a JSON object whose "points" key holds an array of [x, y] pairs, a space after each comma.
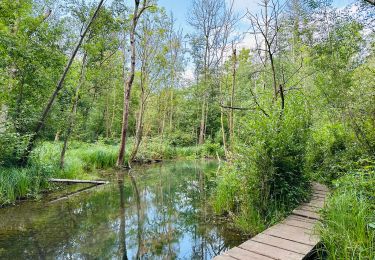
{"points": [[180, 11], [180, 8]]}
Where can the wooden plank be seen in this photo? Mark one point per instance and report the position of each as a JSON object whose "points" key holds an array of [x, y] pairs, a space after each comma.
{"points": [[318, 196], [308, 208], [317, 203], [270, 251], [240, 253], [283, 243], [299, 218], [321, 187], [223, 257], [298, 223], [296, 234], [307, 214], [77, 181], [312, 205]]}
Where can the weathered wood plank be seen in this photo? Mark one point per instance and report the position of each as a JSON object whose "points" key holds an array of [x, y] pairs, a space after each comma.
{"points": [[303, 219], [270, 251], [308, 208], [298, 223], [318, 204], [283, 243], [77, 181], [240, 253], [296, 234], [307, 214], [315, 204], [319, 187]]}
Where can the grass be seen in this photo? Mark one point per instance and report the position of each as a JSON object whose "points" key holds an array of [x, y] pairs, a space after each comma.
{"points": [[18, 183], [348, 228]]}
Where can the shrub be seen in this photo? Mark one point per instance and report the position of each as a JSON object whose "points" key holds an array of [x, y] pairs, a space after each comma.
{"points": [[269, 168]]}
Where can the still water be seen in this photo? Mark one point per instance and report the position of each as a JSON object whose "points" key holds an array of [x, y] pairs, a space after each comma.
{"points": [[162, 212]]}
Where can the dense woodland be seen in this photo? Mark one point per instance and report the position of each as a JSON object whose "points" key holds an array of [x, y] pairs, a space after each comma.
{"points": [[87, 85]]}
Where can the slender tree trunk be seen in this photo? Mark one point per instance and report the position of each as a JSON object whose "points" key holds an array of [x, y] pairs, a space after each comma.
{"points": [[202, 124], [73, 112], [231, 115], [202, 129], [139, 128], [107, 117], [171, 113], [59, 86], [128, 87], [113, 112], [222, 124]]}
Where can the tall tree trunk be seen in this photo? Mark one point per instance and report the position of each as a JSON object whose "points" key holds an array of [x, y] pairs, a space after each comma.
{"points": [[59, 86], [171, 111], [202, 128], [128, 87], [202, 124], [231, 115], [73, 112], [113, 112], [222, 124]]}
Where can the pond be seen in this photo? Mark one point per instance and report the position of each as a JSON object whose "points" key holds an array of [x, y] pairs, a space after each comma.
{"points": [[159, 211]]}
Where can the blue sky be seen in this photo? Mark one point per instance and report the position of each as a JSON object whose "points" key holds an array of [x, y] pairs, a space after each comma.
{"points": [[180, 8]]}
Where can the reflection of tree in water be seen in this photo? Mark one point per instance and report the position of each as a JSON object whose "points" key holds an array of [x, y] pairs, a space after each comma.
{"points": [[173, 206], [161, 212], [122, 231]]}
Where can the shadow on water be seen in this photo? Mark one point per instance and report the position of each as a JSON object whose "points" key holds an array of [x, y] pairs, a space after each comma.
{"points": [[155, 212]]}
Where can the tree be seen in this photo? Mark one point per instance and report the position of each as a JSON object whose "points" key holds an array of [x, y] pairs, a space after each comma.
{"points": [[138, 10], [212, 21], [59, 86], [151, 49]]}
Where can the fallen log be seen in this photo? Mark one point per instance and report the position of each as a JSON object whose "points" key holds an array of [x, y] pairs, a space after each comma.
{"points": [[68, 181]]}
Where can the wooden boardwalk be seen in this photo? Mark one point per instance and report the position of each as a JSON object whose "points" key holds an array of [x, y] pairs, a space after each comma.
{"points": [[291, 239]]}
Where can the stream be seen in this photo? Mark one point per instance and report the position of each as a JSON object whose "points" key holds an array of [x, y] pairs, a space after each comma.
{"points": [[162, 212]]}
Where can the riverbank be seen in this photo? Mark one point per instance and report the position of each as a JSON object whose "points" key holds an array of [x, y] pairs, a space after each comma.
{"points": [[83, 161]]}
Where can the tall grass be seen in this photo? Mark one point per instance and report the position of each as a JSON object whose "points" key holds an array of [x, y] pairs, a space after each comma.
{"points": [[348, 229], [18, 183]]}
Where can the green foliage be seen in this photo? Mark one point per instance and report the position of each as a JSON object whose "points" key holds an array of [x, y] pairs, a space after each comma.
{"points": [[267, 178], [348, 228]]}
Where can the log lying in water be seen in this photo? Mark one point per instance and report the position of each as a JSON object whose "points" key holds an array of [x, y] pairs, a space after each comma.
{"points": [[68, 181]]}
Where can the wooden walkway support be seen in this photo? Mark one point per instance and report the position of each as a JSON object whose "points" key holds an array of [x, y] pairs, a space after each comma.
{"points": [[69, 181], [291, 239]]}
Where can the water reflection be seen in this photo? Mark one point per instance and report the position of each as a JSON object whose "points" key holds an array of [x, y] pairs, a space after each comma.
{"points": [[157, 212]]}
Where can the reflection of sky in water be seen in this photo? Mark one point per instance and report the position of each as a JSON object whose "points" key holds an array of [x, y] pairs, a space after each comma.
{"points": [[164, 220]]}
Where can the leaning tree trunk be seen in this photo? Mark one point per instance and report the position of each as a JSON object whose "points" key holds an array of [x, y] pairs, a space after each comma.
{"points": [[73, 112], [47, 109]]}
